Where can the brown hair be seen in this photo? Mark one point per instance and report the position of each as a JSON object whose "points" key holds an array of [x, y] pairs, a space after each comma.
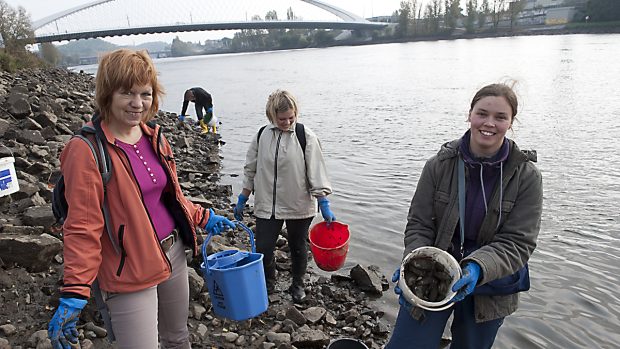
{"points": [[280, 101], [123, 69], [498, 90]]}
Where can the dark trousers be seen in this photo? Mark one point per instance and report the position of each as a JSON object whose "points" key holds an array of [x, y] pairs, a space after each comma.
{"points": [[426, 334], [267, 231]]}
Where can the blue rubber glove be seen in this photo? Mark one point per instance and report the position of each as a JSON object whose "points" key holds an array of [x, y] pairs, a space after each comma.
{"points": [[217, 224], [401, 300], [182, 117], [238, 210], [467, 283], [328, 216], [61, 330]]}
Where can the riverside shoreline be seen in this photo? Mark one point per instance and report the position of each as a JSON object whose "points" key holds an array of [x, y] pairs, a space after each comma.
{"points": [[39, 111]]}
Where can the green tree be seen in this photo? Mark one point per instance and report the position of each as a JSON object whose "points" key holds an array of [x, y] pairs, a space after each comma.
{"points": [[514, 8], [452, 13], [472, 15], [603, 10], [433, 15], [322, 38], [181, 48], [497, 12], [50, 53], [483, 14], [290, 15], [403, 19], [15, 28]]}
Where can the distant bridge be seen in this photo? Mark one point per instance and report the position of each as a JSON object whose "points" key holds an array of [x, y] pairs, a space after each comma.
{"points": [[105, 18]]}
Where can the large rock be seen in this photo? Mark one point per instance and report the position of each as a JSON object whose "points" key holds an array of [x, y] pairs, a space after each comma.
{"points": [[31, 252]]}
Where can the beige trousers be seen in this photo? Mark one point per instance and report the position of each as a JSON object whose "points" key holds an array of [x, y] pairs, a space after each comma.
{"points": [[139, 318]]}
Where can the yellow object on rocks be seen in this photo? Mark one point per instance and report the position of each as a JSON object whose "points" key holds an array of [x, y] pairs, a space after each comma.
{"points": [[206, 128]]}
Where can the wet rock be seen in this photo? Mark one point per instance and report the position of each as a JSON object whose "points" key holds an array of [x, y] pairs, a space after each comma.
{"points": [[367, 279]]}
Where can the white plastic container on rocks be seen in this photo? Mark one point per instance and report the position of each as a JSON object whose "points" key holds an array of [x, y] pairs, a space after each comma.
{"points": [[440, 256], [8, 178]]}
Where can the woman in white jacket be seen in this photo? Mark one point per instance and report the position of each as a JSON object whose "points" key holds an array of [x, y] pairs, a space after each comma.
{"points": [[285, 179]]}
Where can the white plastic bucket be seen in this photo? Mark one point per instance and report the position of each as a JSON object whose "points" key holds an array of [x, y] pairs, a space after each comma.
{"points": [[440, 256], [8, 178]]}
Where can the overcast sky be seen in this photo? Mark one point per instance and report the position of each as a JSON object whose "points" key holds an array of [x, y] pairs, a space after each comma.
{"points": [[42, 8]]}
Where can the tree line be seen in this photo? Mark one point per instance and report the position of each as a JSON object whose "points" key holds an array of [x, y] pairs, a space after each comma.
{"points": [[443, 16]]}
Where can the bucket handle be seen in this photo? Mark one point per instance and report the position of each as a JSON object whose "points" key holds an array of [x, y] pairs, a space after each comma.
{"points": [[209, 236]]}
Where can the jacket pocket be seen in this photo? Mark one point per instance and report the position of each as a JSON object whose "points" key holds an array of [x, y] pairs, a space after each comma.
{"points": [[440, 202], [506, 208], [121, 233]]}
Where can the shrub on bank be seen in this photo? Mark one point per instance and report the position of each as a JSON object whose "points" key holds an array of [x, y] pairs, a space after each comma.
{"points": [[14, 62]]}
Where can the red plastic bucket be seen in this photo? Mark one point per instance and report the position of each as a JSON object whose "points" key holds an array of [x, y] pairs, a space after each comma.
{"points": [[329, 245]]}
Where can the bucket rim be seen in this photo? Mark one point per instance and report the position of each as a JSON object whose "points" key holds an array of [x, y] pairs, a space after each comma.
{"points": [[259, 259], [7, 160], [346, 340], [330, 248], [430, 251]]}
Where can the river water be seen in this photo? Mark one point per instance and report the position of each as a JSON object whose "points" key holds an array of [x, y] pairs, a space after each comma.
{"points": [[382, 110]]}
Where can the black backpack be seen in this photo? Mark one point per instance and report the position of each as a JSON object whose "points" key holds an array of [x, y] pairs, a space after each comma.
{"points": [[300, 132], [93, 137]]}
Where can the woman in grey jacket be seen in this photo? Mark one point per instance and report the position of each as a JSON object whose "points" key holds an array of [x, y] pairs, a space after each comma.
{"points": [[503, 207], [286, 177]]}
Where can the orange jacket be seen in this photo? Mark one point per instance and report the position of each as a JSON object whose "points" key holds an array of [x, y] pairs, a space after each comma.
{"points": [[88, 251]]}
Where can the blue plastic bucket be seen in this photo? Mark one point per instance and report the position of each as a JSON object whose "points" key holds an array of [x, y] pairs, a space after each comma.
{"points": [[236, 281]]}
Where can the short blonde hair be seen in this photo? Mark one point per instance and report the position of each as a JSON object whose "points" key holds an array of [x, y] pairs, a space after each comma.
{"points": [[280, 101], [123, 69]]}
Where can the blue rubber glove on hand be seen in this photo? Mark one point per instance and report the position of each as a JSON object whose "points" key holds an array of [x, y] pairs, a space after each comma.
{"points": [[328, 216], [238, 210], [467, 283], [401, 300], [61, 330], [182, 117], [217, 224]]}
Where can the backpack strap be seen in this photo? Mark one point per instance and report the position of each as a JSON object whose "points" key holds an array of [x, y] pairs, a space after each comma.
{"points": [[104, 164], [260, 132], [300, 131]]}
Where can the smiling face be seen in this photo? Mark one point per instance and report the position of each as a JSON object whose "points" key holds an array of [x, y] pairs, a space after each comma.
{"points": [[285, 119], [490, 118], [130, 107]]}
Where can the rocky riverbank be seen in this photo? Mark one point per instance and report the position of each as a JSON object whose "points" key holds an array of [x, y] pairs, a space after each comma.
{"points": [[39, 111]]}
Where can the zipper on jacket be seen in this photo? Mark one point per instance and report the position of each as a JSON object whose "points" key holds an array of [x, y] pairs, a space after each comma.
{"points": [[275, 176], [121, 233]]}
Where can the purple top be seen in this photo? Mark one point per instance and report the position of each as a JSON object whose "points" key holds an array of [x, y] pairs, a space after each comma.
{"points": [[483, 172], [152, 180]]}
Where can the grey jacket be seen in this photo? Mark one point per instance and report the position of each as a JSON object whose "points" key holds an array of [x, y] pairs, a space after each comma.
{"points": [[434, 215], [283, 184]]}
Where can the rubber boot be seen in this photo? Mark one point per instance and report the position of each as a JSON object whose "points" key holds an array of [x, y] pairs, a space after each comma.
{"points": [[270, 276], [214, 128], [204, 127]]}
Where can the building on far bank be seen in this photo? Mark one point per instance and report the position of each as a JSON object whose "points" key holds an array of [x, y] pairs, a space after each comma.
{"points": [[551, 12]]}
